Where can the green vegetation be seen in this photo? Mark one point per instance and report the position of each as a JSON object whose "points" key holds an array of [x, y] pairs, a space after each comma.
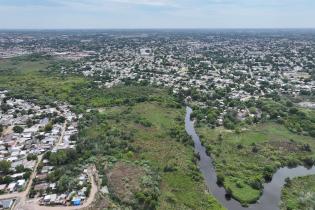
{"points": [[299, 193], [5, 166], [244, 160], [139, 124], [1, 129], [29, 78], [163, 144], [18, 129], [275, 108]]}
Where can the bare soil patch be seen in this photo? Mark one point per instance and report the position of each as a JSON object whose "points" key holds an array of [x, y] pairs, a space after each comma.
{"points": [[285, 146], [125, 180]]}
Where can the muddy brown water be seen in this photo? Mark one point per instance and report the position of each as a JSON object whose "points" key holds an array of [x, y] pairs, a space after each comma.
{"points": [[270, 198]]}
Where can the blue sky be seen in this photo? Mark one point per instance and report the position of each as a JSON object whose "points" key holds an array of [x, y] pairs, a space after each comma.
{"points": [[45, 14]]}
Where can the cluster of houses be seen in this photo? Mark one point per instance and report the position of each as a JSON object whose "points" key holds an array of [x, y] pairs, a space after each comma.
{"points": [[49, 195], [28, 131], [245, 65]]}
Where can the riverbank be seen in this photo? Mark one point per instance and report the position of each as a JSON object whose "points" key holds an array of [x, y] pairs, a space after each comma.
{"points": [[270, 191], [245, 161], [298, 193]]}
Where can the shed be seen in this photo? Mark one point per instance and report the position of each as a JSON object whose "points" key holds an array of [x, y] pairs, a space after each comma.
{"points": [[76, 201]]}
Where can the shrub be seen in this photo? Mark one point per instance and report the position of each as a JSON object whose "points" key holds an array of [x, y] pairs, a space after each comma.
{"points": [[220, 179], [18, 129]]}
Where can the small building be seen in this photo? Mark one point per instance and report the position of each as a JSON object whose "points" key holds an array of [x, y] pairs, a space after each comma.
{"points": [[3, 187], [42, 186], [42, 177], [50, 199], [12, 186], [21, 183], [76, 201], [6, 204], [52, 186]]}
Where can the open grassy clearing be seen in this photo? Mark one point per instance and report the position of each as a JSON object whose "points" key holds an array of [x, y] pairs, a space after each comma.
{"points": [[30, 79], [299, 193], [244, 161]]}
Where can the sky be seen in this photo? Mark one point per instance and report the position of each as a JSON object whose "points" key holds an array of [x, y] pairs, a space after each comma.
{"points": [[112, 14]]}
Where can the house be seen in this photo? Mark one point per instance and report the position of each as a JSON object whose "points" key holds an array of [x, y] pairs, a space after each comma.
{"points": [[46, 169], [21, 183], [3, 187], [12, 187], [76, 201], [50, 199], [6, 204], [82, 192], [40, 187], [52, 186], [17, 176], [61, 199], [42, 177]]}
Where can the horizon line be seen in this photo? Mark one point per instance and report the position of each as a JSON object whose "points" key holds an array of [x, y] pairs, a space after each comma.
{"points": [[163, 28]]}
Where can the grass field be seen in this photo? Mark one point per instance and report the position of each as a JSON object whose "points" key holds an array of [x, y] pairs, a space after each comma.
{"points": [[244, 161], [299, 194], [178, 188], [152, 120], [29, 79]]}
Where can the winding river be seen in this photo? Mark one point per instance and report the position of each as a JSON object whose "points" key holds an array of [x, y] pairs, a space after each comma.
{"points": [[270, 198]]}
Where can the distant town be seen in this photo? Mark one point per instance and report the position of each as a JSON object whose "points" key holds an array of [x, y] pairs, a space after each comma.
{"points": [[207, 66]]}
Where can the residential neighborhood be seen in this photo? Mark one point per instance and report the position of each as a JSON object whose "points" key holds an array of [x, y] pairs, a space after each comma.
{"points": [[28, 132]]}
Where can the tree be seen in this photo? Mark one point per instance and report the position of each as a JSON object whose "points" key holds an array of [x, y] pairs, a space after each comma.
{"points": [[1, 129], [18, 129], [48, 127], [31, 157], [19, 168], [5, 166]]}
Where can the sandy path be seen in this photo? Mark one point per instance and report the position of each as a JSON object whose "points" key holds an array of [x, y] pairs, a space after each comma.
{"points": [[23, 195], [34, 204], [24, 204]]}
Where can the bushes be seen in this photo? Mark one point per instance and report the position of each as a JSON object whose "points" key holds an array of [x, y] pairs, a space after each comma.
{"points": [[169, 168], [18, 129], [147, 200], [268, 172], [220, 179], [256, 184], [62, 157], [5, 166], [48, 127], [31, 157], [309, 161], [170, 197], [143, 122]]}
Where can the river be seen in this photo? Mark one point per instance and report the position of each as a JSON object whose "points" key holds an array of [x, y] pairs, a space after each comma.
{"points": [[270, 198]]}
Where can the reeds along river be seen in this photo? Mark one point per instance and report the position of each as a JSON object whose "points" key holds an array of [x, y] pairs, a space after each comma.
{"points": [[270, 198]]}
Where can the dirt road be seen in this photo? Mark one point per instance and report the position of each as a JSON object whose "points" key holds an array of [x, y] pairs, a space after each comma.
{"points": [[21, 198], [23, 195], [34, 204]]}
